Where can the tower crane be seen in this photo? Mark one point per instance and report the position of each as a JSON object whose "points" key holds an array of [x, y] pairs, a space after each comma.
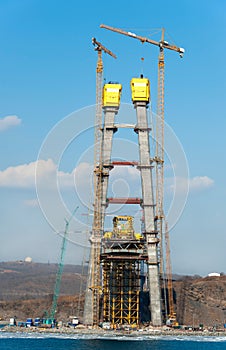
{"points": [[159, 156], [94, 266], [60, 268], [99, 81], [98, 133]]}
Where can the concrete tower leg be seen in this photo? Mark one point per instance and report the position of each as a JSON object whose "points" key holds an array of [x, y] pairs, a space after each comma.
{"points": [[108, 132], [149, 213], [94, 266], [88, 306]]}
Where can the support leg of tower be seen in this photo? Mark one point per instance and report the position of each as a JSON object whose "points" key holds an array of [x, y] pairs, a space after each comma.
{"points": [[149, 214], [91, 307]]}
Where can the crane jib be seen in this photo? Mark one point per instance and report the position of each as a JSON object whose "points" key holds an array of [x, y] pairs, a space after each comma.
{"points": [[161, 44]]}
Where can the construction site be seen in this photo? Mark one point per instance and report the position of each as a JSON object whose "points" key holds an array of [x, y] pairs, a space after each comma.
{"points": [[129, 274], [126, 283]]}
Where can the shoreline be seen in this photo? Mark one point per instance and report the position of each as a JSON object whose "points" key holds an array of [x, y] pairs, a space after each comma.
{"points": [[102, 333]]}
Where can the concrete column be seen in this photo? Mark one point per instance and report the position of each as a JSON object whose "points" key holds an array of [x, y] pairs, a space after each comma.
{"points": [[108, 131], [149, 212]]}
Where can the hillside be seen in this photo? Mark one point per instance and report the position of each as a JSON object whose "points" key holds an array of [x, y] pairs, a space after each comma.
{"points": [[201, 300], [21, 280], [26, 290]]}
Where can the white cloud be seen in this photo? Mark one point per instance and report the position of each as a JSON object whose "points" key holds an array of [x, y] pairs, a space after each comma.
{"points": [[126, 172], [23, 176], [46, 174], [182, 185], [200, 182], [9, 121], [20, 176]]}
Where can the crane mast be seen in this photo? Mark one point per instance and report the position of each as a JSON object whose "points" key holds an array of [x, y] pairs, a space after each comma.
{"points": [[99, 81], [98, 179], [159, 156]]}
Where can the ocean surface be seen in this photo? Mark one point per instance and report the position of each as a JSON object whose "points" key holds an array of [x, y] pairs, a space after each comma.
{"points": [[18, 341]]}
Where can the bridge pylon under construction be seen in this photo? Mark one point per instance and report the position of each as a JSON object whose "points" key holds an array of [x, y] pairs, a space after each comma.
{"points": [[122, 261]]}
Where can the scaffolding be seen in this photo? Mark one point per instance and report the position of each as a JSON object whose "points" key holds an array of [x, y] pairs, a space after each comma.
{"points": [[121, 292], [123, 252]]}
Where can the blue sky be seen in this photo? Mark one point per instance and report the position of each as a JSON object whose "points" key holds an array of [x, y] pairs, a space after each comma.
{"points": [[48, 73]]}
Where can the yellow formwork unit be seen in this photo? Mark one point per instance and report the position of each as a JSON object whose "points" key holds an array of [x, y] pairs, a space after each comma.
{"points": [[140, 88], [111, 95]]}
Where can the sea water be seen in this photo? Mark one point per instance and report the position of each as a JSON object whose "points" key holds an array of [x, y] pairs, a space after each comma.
{"points": [[18, 341]]}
